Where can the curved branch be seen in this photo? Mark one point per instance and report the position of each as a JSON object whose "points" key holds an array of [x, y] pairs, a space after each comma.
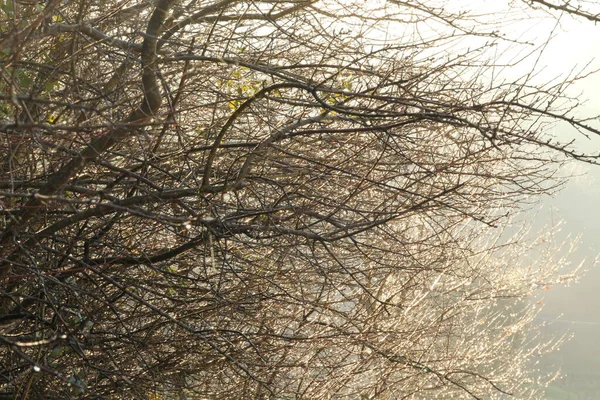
{"points": [[150, 104], [261, 93], [276, 136]]}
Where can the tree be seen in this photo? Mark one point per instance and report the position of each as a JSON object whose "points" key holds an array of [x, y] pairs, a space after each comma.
{"points": [[262, 199]]}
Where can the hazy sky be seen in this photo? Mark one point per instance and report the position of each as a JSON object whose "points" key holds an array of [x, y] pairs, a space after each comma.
{"points": [[575, 308]]}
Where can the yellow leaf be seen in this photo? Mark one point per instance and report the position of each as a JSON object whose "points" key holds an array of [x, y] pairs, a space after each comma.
{"points": [[234, 104]]}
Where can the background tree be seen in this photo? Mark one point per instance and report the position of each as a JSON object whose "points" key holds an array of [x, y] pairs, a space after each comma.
{"points": [[259, 199]]}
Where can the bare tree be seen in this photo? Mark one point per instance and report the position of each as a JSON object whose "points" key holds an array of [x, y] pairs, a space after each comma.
{"points": [[267, 199]]}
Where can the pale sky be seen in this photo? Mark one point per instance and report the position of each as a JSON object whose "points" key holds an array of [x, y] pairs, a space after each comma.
{"points": [[575, 308]]}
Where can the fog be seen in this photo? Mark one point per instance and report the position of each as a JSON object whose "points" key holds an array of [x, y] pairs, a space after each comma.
{"points": [[575, 309], [572, 310]]}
